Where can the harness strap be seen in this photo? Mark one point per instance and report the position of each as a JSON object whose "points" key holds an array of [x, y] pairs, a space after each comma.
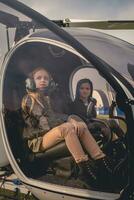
{"points": [[37, 100]]}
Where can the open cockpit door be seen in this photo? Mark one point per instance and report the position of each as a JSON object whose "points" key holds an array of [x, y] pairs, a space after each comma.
{"points": [[9, 34], [14, 26]]}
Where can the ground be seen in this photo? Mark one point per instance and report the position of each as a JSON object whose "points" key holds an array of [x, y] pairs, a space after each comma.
{"points": [[8, 194]]}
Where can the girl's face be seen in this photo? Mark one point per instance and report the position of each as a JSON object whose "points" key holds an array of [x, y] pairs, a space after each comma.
{"points": [[85, 90], [41, 79]]}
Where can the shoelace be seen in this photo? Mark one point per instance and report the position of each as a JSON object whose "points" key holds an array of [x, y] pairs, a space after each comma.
{"points": [[91, 173], [108, 165]]}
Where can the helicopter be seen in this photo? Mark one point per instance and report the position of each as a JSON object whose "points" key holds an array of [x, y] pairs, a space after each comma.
{"points": [[67, 53]]}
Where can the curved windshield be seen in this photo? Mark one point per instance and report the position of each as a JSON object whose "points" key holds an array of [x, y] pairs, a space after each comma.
{"points": [[14, 26], [115, 52]]}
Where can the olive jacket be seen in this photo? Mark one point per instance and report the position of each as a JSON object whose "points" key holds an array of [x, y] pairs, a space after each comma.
{"points": [[39, 116]]}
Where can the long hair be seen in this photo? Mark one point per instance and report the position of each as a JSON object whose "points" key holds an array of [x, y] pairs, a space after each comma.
{"points": [[80, 82]]}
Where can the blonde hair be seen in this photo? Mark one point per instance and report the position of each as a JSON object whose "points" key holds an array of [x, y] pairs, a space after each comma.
{"points": [[31, 75]]}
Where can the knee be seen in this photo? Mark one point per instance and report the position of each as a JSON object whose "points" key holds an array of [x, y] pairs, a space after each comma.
{"points": [[82, 125], [81, 129], [67, 128]]}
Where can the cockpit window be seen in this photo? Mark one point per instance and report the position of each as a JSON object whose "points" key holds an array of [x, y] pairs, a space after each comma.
{"points": [[117, 53], [65, 70], [57, 60], [14, 26]]}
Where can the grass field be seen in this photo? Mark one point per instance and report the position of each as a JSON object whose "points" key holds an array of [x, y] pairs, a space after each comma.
{"points": [[8, 194], [121, 123]]}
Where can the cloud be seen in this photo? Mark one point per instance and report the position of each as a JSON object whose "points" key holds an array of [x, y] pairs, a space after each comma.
{"points": [[127, 12], [87, 9]]}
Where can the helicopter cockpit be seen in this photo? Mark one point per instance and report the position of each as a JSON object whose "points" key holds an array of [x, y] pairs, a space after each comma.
{"points": [[67, 67], [32, 48]]}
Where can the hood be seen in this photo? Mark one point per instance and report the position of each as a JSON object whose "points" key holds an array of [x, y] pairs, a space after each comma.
{"points": [[80, 82]]}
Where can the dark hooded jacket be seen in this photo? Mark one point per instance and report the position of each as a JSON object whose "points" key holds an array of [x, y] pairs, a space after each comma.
{"points": [[85, 112]]}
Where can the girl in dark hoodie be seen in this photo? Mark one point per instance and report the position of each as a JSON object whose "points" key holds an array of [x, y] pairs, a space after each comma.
{"points": [[84, 103], [84, 106]]}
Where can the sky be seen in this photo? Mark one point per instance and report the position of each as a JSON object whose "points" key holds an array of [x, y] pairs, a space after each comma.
{"points": [[89, 10], [84, 9]]}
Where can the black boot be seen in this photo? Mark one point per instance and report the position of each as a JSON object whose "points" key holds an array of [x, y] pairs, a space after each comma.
{"points": [[105, 164], [88, 173], [105, 172], [127, 193]]}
